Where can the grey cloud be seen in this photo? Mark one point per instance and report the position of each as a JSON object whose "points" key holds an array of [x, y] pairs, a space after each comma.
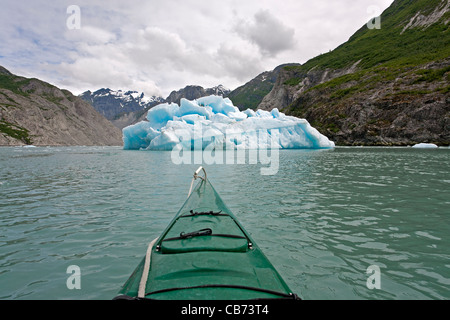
{"points": [[238, 62], [268, 32]]}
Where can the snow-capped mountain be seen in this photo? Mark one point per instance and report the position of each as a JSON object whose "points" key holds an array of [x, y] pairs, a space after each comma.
{"points": [[124, 108], [114, 103], [219, 90]]}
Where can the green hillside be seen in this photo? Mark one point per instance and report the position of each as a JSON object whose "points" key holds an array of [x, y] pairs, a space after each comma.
{"points": [[384, 80], [250, 95], [389, 46]]}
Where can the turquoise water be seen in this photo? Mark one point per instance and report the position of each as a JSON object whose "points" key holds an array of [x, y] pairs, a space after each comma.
{"points": [[322, 220]]}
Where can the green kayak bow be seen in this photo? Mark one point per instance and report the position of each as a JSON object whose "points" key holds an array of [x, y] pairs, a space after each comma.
{"points": [[205, 254]]}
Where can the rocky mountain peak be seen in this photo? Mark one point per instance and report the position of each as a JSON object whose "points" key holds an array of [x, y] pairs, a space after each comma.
{"points": [[192, 92], [113, 103], [5, 71]]}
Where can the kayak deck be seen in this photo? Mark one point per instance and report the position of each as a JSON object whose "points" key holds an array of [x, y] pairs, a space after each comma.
{"points": [[205, 254]]}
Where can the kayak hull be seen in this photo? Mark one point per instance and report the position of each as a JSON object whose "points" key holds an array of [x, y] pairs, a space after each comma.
{"points": [[205, 254]]}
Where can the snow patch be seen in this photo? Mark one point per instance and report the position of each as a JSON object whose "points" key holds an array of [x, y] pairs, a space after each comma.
{"points": [[425, 146]]}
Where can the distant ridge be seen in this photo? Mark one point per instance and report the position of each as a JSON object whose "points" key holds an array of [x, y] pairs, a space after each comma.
{"points": [[192, 92], [113, 103], [250, 95], [35, 112]]}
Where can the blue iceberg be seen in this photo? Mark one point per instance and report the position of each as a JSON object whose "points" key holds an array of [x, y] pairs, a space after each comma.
{"points": [[214, 122]]}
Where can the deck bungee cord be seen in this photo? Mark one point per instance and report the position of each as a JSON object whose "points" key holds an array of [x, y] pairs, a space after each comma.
{"points": [[204, 254]]}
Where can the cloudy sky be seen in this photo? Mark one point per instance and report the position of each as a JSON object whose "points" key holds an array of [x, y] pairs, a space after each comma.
{"points": [[160, 46]]}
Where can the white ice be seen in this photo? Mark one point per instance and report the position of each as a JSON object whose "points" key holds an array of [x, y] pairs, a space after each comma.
{"points": [[425, 145], [214, 122]]}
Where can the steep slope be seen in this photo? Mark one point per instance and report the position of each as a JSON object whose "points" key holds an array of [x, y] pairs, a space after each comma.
{"points": [[122, 108], [35, 112], [114, 103], [250, 95], [387, 86], [123, 120]]}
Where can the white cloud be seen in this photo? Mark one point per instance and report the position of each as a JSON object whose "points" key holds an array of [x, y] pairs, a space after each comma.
{"points": [[164, 57], [90, 35], [238, 61], [158, 49]]}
